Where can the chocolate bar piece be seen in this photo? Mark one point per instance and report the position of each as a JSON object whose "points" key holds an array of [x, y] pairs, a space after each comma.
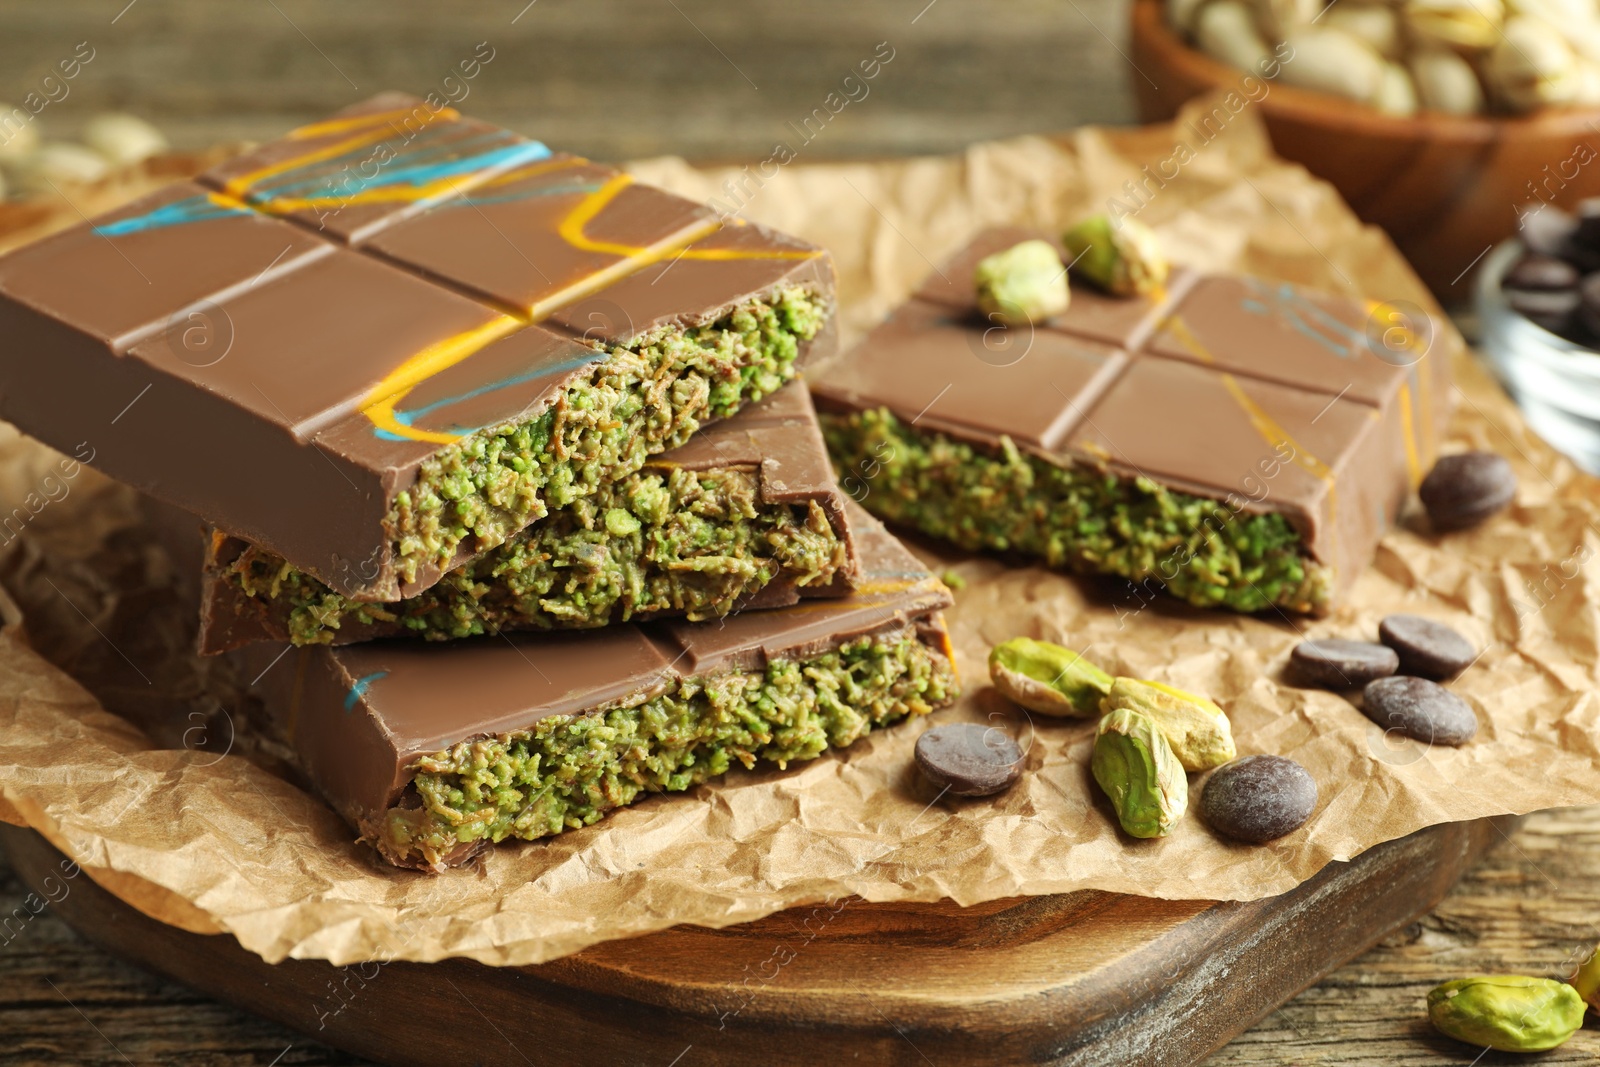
{"points": [[562, 728], [1237, 442], [381, 346], [746, 515]]}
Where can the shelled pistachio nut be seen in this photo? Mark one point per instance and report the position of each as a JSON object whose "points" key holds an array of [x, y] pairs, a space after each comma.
{"points": [[1533, 66], [1587, 980], [123, 139], [1398, 94], [1508, 1012], [1024, 284], [1333, 61], [1047, 678], [19, 134], [1375, 24], [1123, 258], [1197, 729], [1465, 25], [1135, 766], [1226, 31], [1445, 82]]}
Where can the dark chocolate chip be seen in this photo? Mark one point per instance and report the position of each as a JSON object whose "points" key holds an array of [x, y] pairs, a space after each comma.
{"points": [[1551, 309], [1258, 798], [1543, 303], [1427, 649], [1587, 232], [1585, 258], [1464, 489], [1544, 289], [1541, 272], [1588, 313], [969, 759], [1420, 709], [1333, 663], [1547, 229]]}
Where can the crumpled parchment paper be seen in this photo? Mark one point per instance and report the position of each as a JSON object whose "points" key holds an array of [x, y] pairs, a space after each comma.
{"points": [[202, 837]]}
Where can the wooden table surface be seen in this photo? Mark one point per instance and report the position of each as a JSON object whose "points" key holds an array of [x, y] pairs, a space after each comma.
{"points": [[612, 79], [709, 79], [1524, 909]]}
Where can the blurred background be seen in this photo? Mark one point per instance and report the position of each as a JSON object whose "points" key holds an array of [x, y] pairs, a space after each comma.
{"points": [[1438, 120], [708, 79]]}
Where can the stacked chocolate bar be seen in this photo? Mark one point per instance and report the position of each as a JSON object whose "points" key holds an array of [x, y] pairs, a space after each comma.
{"points": [[428, 383], [1234, 442]]}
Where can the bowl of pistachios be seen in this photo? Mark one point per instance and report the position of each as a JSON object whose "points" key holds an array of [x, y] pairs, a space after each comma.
{"points": [[1437, 120]]}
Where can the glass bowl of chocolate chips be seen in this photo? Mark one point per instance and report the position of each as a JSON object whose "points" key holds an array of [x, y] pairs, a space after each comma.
{"points": [[1539, 312]]}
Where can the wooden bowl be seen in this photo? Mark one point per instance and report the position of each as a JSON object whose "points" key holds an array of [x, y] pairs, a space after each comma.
{"points": [[1446, 189]]}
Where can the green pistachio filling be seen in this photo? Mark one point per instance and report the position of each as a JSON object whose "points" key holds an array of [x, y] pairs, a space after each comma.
{"points": [[646, 397], [1077, 517], [568, 772], [689, 542]]}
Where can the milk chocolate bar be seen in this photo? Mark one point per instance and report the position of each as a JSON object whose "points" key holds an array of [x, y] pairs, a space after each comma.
{"points": [[1234, 441], [746, 515], [381, 346], [435, 752]]}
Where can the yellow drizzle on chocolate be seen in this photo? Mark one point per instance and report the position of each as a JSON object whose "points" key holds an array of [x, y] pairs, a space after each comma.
{"points": [[379, 405], [1272, 433]]}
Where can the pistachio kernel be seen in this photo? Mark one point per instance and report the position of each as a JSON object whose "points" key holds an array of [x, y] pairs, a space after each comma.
{"points": [[1135, 766], [1508, 1012], [1024, 284], [1123, 258], [1047, 678]]}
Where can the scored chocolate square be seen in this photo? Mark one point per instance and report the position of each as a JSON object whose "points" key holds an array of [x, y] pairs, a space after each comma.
{"points": [[1323, 461], [1032, 386], [372, 164], [387, 342], [470, 240], [1242, 443]]}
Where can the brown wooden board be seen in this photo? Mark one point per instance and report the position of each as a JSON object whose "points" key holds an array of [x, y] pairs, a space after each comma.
{"points": [[1081, 978]]}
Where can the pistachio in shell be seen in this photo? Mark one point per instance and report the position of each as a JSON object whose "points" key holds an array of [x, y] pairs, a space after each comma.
{"points": [[1533, 66], [1123, 258], [1509, 1012], [1047, 678], [1398, 93], [1226, 31], [123, 139], [1329, 60], [1445, 82], [1135, 766], [1277, 18], [19, 135], [1461, 25], [59, 163], [1376, 24], [1198, 731], [1024, 284]]}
